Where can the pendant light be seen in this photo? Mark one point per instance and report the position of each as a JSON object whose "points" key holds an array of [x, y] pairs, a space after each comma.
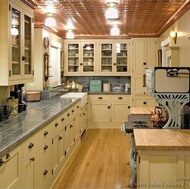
{"points": [[111, 13], [70, 34], [50, 22], [115, 30]]}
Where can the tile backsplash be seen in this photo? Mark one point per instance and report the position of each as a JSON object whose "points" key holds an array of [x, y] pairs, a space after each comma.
{"points": [[113, 80]]}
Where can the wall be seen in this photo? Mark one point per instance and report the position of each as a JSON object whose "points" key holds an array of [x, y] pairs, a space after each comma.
{"points": [[39, 50], [182, 26]]}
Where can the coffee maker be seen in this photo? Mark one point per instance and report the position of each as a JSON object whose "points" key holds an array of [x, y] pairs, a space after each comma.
{"points": [[17, 94]]}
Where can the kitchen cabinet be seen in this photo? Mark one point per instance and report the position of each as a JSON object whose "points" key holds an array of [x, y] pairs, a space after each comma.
{"points": [[144, 54], [109, 111], [114, 58], [143, 101], [80, 58], [10, 172], [16, 55], [84, 119], [97, 58], [162, 163]]}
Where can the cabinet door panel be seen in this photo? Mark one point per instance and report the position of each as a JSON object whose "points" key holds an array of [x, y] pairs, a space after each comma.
{"points": [[120, 113], [100, 113], [10, 170]]}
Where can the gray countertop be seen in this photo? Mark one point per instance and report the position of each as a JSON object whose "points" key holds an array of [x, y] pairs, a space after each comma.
{"points": [[16, 129]]}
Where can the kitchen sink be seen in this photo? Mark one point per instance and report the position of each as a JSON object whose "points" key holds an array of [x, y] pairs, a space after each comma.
{"points": [[82, 96]]}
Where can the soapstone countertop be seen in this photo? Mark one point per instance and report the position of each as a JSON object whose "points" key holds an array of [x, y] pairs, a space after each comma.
{"points": [[16, 129]]}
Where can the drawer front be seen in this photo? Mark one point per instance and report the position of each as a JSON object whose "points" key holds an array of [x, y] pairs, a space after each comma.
{"points": [[30, 145], [101, 97], [121, 98]]}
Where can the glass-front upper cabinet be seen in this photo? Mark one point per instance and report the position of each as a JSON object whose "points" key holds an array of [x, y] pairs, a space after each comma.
{"points": [[114, 58], [121, 57], [80, 58], [88, 56], [106, 57], [73, 57]]}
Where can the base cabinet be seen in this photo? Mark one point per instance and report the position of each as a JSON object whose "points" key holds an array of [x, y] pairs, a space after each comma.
{"points": [[109, 111], [37, 162], [163, 169], [10, 172]]}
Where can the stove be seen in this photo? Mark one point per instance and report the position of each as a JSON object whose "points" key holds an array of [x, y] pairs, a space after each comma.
{"points": [[135, 121]]}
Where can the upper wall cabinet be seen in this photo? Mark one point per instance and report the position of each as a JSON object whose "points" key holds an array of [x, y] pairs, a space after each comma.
{"points": [[114, 58], [16, 47], [96, 58], [80, 58], [144, 54]]}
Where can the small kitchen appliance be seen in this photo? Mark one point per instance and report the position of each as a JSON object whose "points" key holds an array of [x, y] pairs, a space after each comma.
{"points": [[95, 86]]}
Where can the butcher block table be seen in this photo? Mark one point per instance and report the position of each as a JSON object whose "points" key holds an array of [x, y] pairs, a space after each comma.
{"points": [[163, 159], [141, 110]]}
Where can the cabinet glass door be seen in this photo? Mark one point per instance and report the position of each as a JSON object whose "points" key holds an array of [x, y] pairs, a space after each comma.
{"points": [[88, 57], [106, 57], [16, 41], [27, 44], [73, 57], [121, 57]]}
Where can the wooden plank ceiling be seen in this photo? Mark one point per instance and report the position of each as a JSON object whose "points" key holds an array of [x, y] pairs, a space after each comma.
{"points": [[138, 18]]}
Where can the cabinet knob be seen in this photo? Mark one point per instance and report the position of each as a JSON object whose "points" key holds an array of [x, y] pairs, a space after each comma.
{"points": [[6, 159], [71, 126], [56, 124], [144, 102], [68, 114], [45, 147], [32, 159], [45, 133], [60, 137], [129, 107], [23, 58], [144, 63], [31, 145], [109, 107], [65, 128], [80, 64], [45, 172], [62, 119], [78, 106], [73, 111], [114, 64]]}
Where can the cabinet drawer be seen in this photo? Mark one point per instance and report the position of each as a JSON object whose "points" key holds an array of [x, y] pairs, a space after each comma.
{"points": [[101, 97], [30, 145], [121, 98]]}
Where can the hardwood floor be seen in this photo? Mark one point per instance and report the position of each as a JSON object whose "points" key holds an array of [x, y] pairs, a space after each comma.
{"points": [[99, 162]]}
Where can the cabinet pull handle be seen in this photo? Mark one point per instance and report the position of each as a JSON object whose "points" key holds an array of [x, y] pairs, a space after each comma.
{"points": [[144, 80], [62, 119], [65, 128], [56, 124], [60, 137], [77, 106], [68, 114], [6, 159], [31, 145], [45, 147], [120, 98], [45, 133], [32, 159], [45, 172], [23, 58], [73, 111], [100, 98], [71, 126]]}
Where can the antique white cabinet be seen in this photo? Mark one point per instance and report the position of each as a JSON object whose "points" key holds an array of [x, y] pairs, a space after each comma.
{"points": [[16, 47], [108, 111], [88, 57]]}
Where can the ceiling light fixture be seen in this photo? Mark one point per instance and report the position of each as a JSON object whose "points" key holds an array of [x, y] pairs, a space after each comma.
{"points": [[115, 30], [112, 3], [70, 34], [111, 13], [50, 22]]}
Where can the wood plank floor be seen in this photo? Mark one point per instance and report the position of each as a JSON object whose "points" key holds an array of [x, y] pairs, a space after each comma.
{"points": [[99, 162]]}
